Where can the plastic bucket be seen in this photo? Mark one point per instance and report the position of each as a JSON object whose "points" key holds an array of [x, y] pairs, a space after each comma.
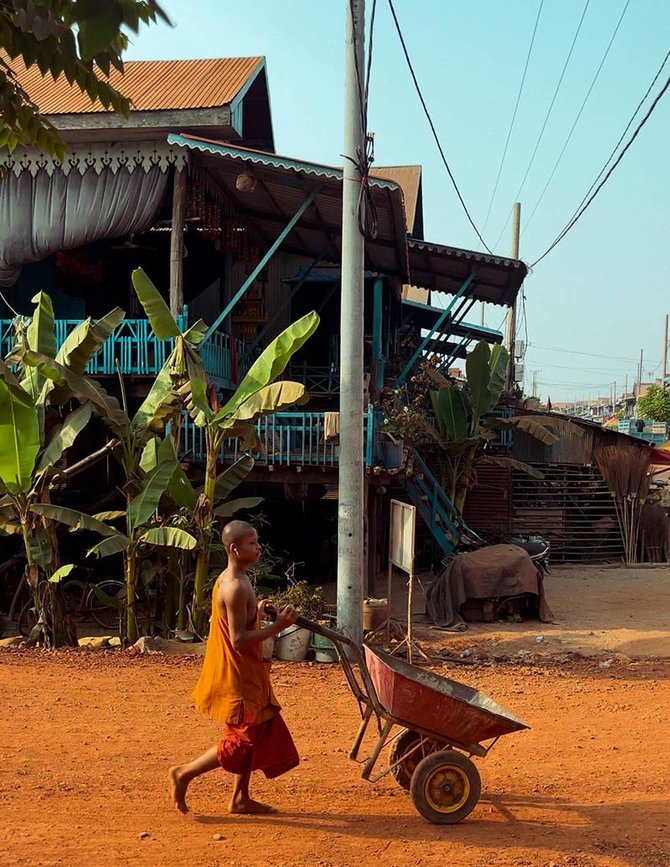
{"points": [[375, 612], [292, 644], [324, 649]]}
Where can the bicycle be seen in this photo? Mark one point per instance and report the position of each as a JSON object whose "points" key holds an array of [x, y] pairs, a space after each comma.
{"points": [[81, 600]]}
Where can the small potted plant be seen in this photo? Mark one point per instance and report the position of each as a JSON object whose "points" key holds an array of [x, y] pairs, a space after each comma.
{"points": [[293, 643]]}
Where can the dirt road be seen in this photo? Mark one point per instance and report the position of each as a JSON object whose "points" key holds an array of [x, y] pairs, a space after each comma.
{"points": [[86, 738]]}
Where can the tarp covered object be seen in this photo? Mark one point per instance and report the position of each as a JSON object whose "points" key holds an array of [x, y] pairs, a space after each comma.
{"points": [[497, 571]]}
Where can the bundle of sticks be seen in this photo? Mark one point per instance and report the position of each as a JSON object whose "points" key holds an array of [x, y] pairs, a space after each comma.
{"points": [[626, 473]]}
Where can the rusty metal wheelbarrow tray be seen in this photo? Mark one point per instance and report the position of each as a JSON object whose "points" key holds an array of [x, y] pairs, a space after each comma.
{"points": [[424, 700]]}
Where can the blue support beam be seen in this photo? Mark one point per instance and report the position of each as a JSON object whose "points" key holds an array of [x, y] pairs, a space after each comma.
{"points": [[288, 228], [377, 320], [436, 327]]}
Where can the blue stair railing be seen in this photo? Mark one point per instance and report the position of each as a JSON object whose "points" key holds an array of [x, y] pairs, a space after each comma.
{"points": [[439, 514]]}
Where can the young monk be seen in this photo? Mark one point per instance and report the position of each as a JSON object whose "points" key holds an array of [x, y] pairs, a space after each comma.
{"points": [[234, 685]]}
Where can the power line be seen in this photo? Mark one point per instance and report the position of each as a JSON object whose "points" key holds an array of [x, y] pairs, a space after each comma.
{"points": [[562, 349], [432, 125], [623, 134], [602, 183], [547, 116], [579, 114], [514, 113]]}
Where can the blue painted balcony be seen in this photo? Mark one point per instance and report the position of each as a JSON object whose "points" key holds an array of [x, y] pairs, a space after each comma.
{"points": [[288, 439], [139, 353], [318, 380]]}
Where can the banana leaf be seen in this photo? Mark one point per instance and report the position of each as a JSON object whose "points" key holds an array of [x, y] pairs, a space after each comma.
{"points": [[232, 476], [74, 519], [195, 334], [64, 436], [498, 364], [81, 345], [149, 456], [112, 515], [179, 487], [451, 411], [112, 545], [19, 436], [225, 510], [41, 549], [169, 537], [267, 400], [195, 391], [479, 377], [84, 389], [272, 361], [158, 313], [61, 572], [154, 485], [496, 461], [159, 405], [524, 423], [40, 337]]}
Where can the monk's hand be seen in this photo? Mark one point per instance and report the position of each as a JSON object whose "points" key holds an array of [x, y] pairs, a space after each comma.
{"points": [[286, 616], [263, 613]]}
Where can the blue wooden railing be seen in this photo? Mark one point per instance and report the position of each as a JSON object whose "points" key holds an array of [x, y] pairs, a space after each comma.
{"points": [[286, 438], [139, 352]]}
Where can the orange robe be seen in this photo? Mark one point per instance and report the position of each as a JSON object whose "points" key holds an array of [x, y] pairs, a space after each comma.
{"points": [[234, 689]]}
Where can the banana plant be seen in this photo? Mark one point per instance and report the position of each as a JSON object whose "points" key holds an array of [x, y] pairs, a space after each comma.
{"points": [[31, 444], [143, 526], [258, 394], [464, 428]]}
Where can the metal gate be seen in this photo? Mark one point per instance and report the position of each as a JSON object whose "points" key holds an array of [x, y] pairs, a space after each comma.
{"points": [[572, 508]]}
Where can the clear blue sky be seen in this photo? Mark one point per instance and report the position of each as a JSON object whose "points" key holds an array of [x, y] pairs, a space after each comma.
{"points": [[606, 287]]}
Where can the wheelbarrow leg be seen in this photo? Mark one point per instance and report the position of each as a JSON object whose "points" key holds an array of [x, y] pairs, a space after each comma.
{"points": [[383, 735], [361, 732]]}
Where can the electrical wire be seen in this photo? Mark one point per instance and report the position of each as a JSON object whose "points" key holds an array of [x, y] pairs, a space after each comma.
{"points": [[579, 114], [432, 125], [547, 116], [562, 349], [602, 183], [514, 113]]}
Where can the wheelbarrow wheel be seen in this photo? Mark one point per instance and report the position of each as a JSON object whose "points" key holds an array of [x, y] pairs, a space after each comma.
{"points": [[445, 787], [403, 768]]}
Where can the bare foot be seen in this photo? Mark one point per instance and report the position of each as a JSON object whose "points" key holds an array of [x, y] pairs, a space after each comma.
{"points": [[248, 805], [179, 787]]}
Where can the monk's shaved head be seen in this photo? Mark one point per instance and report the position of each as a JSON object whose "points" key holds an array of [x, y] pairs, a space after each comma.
{"points": [[235, 532]]}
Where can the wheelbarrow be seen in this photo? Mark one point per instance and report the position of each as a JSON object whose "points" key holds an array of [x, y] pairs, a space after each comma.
{"points": [[432, 725]]}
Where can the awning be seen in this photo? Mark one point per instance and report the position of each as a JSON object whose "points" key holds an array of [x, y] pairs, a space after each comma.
{"points": [[280, 185], [444, 269]]}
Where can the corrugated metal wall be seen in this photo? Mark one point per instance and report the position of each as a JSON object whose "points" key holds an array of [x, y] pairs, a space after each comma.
{"points": [[572, 508]]}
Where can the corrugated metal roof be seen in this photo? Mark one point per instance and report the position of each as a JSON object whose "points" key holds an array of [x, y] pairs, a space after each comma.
{"points": [[444, 269], [283, 184], [151, 85], [408, 179]]}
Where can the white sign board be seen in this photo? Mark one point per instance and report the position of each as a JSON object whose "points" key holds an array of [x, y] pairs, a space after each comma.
{"points": [[401, 542]]}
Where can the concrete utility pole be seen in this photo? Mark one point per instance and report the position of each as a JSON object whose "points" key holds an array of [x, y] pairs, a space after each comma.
{"points": [[511, 316], [639, 377], [351, 528], [665, 353]]}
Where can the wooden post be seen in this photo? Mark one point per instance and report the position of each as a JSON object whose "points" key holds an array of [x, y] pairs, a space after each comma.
{"points": [[177, 242]]}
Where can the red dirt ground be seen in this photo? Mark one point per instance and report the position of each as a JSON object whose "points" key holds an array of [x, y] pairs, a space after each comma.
{"points": [[86, 739]]}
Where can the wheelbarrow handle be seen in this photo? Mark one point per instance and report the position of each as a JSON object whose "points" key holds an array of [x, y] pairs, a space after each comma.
{"points": [[341, 641]]}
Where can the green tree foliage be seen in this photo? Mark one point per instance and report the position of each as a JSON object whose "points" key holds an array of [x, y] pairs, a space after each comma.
{"points": [[79, 40], [655, 404]]}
